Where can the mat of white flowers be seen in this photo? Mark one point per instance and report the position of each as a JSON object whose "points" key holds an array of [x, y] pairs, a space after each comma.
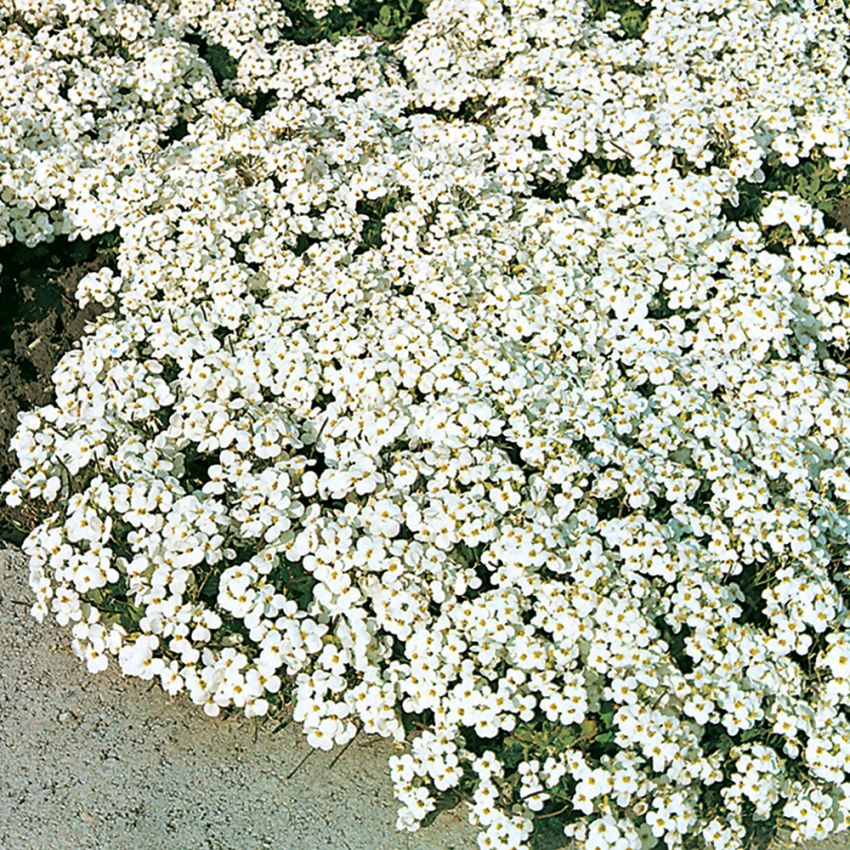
{"points": [[445, 386]]}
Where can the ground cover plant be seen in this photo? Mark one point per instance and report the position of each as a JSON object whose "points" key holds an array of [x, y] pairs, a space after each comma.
{"points": [[41, 320], [471, 374]]}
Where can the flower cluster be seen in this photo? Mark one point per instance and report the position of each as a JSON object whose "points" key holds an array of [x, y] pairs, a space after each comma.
{"points": [[442, 381]]}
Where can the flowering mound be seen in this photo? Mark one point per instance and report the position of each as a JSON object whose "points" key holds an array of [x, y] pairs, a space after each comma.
{"points": [[488, 384]]}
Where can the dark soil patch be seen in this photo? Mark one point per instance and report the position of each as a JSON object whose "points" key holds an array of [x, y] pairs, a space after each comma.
{"points": [[841, 213], [40, 320]]}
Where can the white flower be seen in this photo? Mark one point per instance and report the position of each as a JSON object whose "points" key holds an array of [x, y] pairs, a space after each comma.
{"points": [[443, 382]]}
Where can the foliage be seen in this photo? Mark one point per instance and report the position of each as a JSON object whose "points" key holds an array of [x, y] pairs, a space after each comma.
{"points": [[387, 21], [812, 179], [633, 15]]}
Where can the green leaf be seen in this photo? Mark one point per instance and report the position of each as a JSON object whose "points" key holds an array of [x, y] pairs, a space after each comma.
{"points": [[221, 63], [632, 22]]}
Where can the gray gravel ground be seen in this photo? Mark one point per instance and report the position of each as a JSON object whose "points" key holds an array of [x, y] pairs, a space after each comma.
{"points": [[109, 763]]}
